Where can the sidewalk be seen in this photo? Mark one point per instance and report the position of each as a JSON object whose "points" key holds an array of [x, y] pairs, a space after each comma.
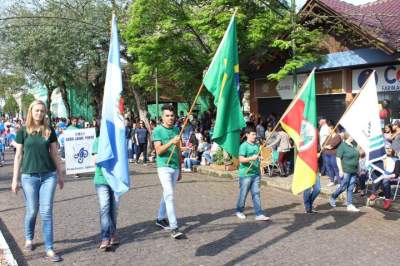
{"points": [[285, 183]]}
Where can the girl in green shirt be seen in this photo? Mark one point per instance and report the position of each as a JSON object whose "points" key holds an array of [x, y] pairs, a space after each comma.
{"points": [[36, 151]]}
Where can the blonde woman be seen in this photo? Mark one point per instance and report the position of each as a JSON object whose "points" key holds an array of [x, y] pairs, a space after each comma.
{"points": [[36, 152]]}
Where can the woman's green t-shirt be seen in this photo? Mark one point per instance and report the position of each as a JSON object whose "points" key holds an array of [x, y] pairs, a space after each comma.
{"points": [[36, 148]]}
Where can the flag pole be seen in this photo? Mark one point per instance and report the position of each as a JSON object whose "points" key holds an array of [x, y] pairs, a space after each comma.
{"points": [[299, 92], [191, 110], [347, 109], [186, 119]]}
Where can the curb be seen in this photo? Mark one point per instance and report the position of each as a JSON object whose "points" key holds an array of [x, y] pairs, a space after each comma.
{"points": [[6, 252], [284, 183]]}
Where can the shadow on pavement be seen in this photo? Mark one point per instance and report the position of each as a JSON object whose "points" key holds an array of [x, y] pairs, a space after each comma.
{"points": [[389, 215], [56, 201], [239, 233], [16, 251], [303, 220], [148, 230], [207, 181], [133, 233]]}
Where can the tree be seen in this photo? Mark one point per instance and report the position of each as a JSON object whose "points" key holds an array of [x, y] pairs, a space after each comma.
{"points": [[10, 82], [60, 44], [180, 38], [26, 100], [11, 106]]}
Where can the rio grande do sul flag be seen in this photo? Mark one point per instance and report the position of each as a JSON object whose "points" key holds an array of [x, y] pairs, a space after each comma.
{"points": [[300, 122]]}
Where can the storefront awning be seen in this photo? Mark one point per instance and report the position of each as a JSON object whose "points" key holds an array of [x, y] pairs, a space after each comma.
{"points": [[353, 58]]}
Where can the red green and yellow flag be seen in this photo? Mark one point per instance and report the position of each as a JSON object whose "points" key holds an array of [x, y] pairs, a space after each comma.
{"points": [[300, 122]]}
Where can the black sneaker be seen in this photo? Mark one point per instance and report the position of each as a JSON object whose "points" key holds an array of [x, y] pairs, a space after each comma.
{"points": [[164, 224], [176, 234]]}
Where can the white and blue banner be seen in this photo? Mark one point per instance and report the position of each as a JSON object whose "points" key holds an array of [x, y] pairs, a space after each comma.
{"points": [[362, 121], [112, 154], [78, 150]]}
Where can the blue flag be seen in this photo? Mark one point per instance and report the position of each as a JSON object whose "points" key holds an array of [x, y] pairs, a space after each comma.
{"points": [[112, 154]]}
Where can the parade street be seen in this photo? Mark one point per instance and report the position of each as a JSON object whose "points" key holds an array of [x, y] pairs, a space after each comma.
{"points": [[205, 209]]}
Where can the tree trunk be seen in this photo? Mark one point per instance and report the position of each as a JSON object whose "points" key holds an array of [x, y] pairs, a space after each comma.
{"points": [[64, 96], [141, 107], [50, 90], [97, 87]]}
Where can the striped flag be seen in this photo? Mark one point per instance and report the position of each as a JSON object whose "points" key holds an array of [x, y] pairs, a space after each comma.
{"points": [[363, 124], [300, 122], [112, 156]]}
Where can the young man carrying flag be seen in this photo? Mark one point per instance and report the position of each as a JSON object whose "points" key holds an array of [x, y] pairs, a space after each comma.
{"points": [[112, 178], [222, 81], [249, 180], [164, 137]]}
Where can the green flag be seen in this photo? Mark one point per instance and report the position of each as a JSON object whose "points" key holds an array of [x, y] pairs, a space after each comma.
{"points": [[222, 81]]}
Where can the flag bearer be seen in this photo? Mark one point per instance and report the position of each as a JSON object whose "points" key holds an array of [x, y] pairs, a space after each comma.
{"points": [[249, 180]]}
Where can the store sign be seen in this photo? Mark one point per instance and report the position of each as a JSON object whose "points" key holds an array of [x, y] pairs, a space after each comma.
{"points": [[387, 78], [285, 86]]}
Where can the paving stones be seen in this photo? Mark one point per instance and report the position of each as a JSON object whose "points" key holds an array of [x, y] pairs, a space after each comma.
{"points": [[205, 207]]}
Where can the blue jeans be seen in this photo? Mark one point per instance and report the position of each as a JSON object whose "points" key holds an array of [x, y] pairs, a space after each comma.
{"points": [[310, 194], [108, 211], [168, 177], [130, 148], [39, 192], [331, 167], [323, 162], [249, 184], [188, 163], [384, 183], [348, 181], [207, 156]]}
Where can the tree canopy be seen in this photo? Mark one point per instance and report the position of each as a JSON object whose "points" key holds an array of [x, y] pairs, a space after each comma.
{"points": [[180, 38], [59, 43], [64, 44]]}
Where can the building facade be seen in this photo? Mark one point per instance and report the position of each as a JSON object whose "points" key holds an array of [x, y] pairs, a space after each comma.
{"points": [[368, 39]]}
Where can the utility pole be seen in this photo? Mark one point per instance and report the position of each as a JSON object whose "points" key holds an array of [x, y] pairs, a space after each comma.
{"points": [[158, 115], [294, 90], [293, 21]]}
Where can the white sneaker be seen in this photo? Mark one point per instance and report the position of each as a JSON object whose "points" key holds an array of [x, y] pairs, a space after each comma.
{"points": [[352, 208], [330, 184], [186, 170], [241, 215], [262, 217]]}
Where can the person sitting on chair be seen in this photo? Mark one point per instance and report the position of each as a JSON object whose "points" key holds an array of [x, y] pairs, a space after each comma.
{"points": [[391, 166]]}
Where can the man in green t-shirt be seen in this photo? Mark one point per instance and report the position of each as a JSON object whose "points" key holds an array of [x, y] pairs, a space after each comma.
{"points": [[165, 137], [249, 179]]}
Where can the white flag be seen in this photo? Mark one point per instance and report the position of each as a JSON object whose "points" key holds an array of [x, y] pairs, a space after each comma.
{"points": [[363, 124]]}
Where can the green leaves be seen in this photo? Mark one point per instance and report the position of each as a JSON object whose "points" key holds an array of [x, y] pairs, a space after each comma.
{"points": [[180, 38], [58, 43], [11, 106]]}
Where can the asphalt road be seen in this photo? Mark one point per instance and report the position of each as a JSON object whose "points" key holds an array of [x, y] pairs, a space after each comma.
{"points": [[205, 208]]}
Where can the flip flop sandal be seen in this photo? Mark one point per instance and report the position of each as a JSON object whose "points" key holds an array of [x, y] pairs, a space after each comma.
{"points": [[114, 242], [54, 258], [104, 247], [28, 247]]}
